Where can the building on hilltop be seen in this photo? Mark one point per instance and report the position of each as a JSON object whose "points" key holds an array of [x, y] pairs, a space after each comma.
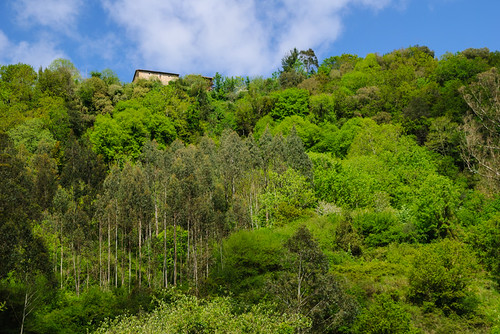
{"points": [[164, 77]]}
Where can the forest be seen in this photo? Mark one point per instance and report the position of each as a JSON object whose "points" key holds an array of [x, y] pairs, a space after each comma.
{"points": [[351, 195]]}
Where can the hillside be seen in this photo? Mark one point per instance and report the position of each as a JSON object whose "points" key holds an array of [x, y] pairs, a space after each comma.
{"points": [[355, 195]]}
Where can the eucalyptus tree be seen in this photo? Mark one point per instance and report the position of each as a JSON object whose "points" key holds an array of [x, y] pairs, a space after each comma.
{"points": [[135, 200], [296, 156]]}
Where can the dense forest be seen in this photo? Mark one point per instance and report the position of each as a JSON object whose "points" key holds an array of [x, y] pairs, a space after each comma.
{"points": [[355, 195]]}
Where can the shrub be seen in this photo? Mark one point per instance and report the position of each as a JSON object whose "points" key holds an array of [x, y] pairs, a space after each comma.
{"points": [[384, 315], [440, 278]]}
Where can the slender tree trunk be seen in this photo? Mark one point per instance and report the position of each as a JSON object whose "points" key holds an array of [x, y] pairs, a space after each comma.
{"points": [[140, 252], [188, 258], [88, 275], [129, 269], [195, 266], [123, 256], [175, 250], [208, 254], [62, 256], [74, 271], [156, 215], [165, 276], [100, 253], [149, 250], [109, 254], [78, 269], [116, 256], [24, 310]]}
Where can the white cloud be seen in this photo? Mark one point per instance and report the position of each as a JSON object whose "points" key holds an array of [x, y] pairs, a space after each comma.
{"points": [[41, 53], [57, 14], [228, 36]]}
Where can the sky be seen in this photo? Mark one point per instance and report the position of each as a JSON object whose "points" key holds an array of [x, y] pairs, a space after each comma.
{"points": [[232, 37]]}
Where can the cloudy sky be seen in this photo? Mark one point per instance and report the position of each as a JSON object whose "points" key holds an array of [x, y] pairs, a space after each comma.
{"points": [[232, 37]]}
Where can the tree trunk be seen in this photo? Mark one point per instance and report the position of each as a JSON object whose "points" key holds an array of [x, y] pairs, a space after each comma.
{"points": [[62, 255], [140, 252], [175, 250], [24, 310], [109, 254], [116, 256], [129, 269], [74, 271], [165, 276], [100, 253], [149, 249], [156, 216]]}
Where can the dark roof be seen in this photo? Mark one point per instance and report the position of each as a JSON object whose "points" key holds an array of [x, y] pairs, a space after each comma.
{"points": [[155, 72]]}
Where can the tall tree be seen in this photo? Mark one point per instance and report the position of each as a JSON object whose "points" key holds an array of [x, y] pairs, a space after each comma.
{"points": [[309, 59], [482, 128]]}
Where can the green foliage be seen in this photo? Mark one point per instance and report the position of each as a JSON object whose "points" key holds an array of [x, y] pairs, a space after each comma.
{"points": [[440, 277], [123, 134], [322, 108], [308, 132], [384, 315], [33, 136], [191, 315], [291, 101], [98, 188], [484, 237], [380, 228], [434, 206], [245, 259], [347, 236], [458, 66], [17, 83], [305, 287], [69, 313], [287, 197], [339, 141], [338, 62]]}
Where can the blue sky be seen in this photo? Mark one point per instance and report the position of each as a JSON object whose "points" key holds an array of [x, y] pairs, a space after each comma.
{"points": [[232, 37]]}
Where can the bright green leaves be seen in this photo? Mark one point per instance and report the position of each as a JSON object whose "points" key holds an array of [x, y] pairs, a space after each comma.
{"points": [[386, 170], [384, 315], [123, 134], [107, 138], [192, 315], [33, 136], [245, 259], [286, 197], [440, 278], [434, 205], [292, 101]]}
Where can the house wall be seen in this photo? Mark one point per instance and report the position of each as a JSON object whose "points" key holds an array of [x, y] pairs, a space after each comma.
{"points": [[165, 78]]}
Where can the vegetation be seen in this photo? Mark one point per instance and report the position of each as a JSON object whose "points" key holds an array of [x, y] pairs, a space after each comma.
{"points": [[355, 195]]}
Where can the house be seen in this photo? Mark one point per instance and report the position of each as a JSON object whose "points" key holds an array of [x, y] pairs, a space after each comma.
{"points": [[164, 77]]}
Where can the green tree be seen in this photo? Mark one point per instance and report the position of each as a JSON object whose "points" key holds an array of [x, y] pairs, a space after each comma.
{"points": [[481, 128], [296, 156], [305, 286], [440, 277], [286, 197], [292, 101], [18, 82], [291, 60], [33, 136], [309, 59], [191, 315], [65, 64], [384, 315]]}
